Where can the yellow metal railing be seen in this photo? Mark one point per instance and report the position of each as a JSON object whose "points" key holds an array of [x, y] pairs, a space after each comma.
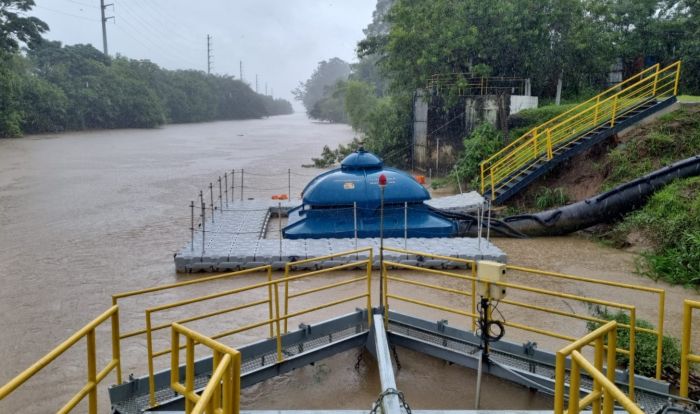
{"points": [[660, 309], [541, 142], [222, 393], [366, 263], [149, 328], [93, 376], [470, 291], [604, 387], [271, 287], [686, 356]]}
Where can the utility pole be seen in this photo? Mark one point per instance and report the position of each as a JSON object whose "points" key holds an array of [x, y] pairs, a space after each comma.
{"points": [[256, 83], [240, 70], [103, 7], [209, 54]]}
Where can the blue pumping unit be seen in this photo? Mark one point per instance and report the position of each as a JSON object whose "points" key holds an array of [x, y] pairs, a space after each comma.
{"points": [[329, 200]]}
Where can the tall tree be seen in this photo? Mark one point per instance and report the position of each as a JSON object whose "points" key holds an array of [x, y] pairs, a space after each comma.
{"points": [[17, 28]]}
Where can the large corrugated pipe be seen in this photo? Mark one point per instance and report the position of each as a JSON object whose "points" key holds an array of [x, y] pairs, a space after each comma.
{"points": [[603, 208]]}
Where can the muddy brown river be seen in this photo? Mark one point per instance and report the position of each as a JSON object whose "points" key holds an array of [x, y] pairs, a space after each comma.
{"points": [[85, 215]]}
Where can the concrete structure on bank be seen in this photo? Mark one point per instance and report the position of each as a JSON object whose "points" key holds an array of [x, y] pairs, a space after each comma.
{"points": [[438, 132]]}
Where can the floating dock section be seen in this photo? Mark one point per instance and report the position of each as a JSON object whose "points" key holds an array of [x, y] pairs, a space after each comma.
{"points": [[239, 237]]}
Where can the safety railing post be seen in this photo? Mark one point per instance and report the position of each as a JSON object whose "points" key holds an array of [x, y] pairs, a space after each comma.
{"points": [[656, 80], [242, 184], [678, 76], [550, 152], [535, 149], [405, 224], [277, 322], [233, 185], [226, 187], [204, 226], [279, 221], [116, 346], [221, 201], [574, 387], [685, 347], [559, 378], [611, 363], [660, 334], [598, 364], [211, 199], [192, 225], [151, 369], [189, 372], [354, 220], [614, 111], [92, 371], [632, 350], [483, 186]]}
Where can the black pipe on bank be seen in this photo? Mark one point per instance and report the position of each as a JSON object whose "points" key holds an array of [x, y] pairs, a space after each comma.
{"points": [[603, 208]]}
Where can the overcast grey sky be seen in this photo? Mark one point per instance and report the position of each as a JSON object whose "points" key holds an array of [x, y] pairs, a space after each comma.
{"points": [[280, 40]]}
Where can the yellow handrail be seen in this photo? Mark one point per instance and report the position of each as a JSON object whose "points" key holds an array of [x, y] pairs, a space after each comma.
{"points": [[93, 377], [275, 317], [541, 141], [686, 356], [630, 309], [603, 385], [222, 393]]}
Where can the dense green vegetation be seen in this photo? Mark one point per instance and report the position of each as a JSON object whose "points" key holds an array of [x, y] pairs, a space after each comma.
{"points": [[670, 223], [52, 87], [645, 351], [576, 41]]}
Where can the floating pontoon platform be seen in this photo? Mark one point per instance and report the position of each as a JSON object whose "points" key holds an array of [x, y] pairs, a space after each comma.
{"points": [[236, 239]]}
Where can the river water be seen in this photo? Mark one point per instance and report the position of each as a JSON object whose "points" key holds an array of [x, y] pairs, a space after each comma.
{"points": [[88, 214]]}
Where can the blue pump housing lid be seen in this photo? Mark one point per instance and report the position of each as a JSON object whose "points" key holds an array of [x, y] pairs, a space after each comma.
{"points": [[361, 160], [358, 181]]}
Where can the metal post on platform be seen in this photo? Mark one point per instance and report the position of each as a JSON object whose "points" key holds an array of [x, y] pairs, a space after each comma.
{"points": [[279, 221], [226, 187], [211, 198], [289, 182], [488, 224], [241, 184], [405, 225], [192, 225], [201, 197], [382, 184], [233, 184], [221, 201], [204, 224], [478, 226], [354, 220]]}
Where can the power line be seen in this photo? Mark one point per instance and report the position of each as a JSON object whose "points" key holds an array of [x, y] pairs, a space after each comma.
{"points": [[67, 14], [83, 4], [167, 27]]}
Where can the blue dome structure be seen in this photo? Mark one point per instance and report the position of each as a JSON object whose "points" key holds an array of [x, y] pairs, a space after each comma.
{"points": [[338, 201]]}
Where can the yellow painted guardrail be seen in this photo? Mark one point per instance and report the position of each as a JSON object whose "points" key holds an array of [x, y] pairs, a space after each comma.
{"points": [[93, 376], [686, 356], [660, 310], [274, 318], [469, 291], [367, 263], [541, 142], [603, 385], [222, 393]]}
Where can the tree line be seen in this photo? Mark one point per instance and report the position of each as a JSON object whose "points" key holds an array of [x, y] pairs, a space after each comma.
{"points": [[49, 87], [575, 41]]}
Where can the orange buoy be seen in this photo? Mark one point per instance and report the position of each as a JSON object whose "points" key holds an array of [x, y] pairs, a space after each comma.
{"points": [[420, 179], [280, 197]]}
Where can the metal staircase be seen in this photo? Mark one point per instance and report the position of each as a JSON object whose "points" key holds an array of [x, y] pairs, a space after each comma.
{"points": [[513, 168]]}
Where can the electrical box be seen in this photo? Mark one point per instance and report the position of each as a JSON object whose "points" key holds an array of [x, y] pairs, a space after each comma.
{"points": [[488, 272]]}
